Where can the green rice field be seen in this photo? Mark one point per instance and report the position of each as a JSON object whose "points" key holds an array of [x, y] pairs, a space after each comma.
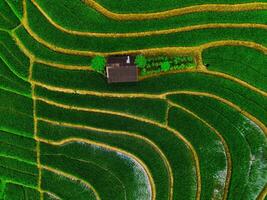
{"points": [[186, 134]]}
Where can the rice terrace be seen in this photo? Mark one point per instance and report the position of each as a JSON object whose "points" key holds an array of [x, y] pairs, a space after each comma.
{"points": [[133, 100]]}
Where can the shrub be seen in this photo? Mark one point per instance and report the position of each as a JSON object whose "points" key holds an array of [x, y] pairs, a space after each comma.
{"points": [[182, 66], [189, 65], [189, 59], [157, 64], [140, 61], [165, 66], [98, 63]]}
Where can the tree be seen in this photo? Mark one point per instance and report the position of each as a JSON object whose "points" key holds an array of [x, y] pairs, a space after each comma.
{"points": [[140, 61], [98, 63], [165, 66]]}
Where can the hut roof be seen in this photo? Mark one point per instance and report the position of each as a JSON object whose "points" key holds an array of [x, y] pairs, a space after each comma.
{"points": [[121, 59], [122, 73], [121, 69]]}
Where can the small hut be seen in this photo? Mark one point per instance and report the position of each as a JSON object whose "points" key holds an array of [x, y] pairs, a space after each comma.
{"points": [[121, 69]]}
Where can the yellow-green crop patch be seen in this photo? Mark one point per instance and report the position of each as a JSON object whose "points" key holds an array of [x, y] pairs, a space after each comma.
{"points": [[193, 126]]}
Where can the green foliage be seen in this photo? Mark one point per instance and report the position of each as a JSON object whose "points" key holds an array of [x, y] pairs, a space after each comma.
{"points": [[140, 61], [190, 59], [165, 66], [98, 63], [157, 64]]}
